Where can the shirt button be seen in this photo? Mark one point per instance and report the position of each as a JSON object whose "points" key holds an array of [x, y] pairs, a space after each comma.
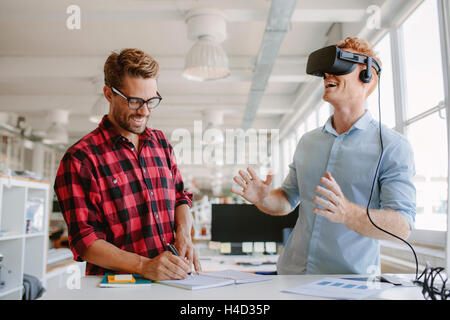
{"points": [[145, 171], [151, 193], [132, 149], [156, 216], [114, 181]]}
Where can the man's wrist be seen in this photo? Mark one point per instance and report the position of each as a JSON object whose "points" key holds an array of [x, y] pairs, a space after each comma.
{"points": [[140, 265], [261, 203], [353, 216], [183, 232]]}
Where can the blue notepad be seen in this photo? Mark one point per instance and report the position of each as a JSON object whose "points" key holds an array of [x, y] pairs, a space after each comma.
{"points": [[139, 282]]}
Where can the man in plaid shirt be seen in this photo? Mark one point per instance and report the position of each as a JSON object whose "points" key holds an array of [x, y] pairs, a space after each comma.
{"points": [[119, 188]]}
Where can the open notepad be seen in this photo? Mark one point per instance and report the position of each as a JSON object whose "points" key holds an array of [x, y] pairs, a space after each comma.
{"points": [[205, 280]]}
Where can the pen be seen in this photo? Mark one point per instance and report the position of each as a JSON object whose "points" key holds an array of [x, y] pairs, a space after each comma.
{"points": [[174, 251]]}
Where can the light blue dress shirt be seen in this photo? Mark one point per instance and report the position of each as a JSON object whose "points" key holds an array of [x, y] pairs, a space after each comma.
{"points": [[319, 246]]}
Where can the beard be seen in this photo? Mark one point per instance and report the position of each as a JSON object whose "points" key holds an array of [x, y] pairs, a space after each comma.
{"points": [[127, 122]]}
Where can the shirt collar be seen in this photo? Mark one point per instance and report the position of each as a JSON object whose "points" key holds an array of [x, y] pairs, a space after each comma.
{"points": [[361, 124], [111, 133]]}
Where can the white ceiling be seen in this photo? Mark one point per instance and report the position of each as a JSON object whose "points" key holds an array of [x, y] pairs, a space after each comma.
{"points": [[45, 66]]}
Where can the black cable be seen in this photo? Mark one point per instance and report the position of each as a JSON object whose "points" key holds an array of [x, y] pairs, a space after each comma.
{"points": [[429, 290], [429, 274], [375, 177]]}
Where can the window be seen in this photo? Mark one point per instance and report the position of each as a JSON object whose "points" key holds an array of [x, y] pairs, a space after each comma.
{"points": [[429, 140], [383, 51], [292, 146], [323, 113], [423, 64], [311, 122], [301, 131], [286, 158], [426, 124]]}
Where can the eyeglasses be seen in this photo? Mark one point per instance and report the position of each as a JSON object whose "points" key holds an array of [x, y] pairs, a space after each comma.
{"points": [[136, 103]]}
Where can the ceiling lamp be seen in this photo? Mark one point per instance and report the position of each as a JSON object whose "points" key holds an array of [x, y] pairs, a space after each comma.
{"points": [[206, 60], [99, 109], [57, 132]]}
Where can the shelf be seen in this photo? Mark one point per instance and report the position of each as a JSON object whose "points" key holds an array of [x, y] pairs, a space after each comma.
{"points": [[9, 291], [58, 268], [20, 236], [34, 234], [26, 179], [201, 238], [56, 255], [11, 237], [24, 253]]}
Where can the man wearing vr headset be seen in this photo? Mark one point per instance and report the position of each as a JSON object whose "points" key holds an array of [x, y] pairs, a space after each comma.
{"points": [[332, 173]]}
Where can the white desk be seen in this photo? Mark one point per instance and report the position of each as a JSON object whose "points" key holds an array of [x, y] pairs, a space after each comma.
{"points": [[267, 290]]}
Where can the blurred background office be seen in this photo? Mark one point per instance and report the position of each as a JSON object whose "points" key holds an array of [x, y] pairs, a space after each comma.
{"points": [[51, 79]]}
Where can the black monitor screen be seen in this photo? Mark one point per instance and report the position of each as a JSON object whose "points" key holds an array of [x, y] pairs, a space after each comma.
{"points": [[245, 223]]}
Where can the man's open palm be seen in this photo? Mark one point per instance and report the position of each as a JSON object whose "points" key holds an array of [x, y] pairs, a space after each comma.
{"points": [[254, 190]]}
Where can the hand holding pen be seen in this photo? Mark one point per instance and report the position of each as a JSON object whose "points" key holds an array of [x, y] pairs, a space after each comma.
{"points": [[174, 252]]}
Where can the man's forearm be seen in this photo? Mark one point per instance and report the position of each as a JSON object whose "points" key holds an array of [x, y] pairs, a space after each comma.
{"points": [[108, 256], [183, 220], [275, 203], [388, 220]]}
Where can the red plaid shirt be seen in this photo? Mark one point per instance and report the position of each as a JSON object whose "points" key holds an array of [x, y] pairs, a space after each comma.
{"points": [[108, 190]]}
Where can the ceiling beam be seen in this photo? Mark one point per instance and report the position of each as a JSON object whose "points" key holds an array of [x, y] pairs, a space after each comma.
{"points": [[286, 69], [276, 28]]}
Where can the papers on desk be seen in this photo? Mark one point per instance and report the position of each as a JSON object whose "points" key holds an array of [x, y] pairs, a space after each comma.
{"points": [[338, 288], [237, 276], [197, 281], [206, 280]]}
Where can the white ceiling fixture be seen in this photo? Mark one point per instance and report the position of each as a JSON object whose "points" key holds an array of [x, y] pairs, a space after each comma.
{"points": [[57, 132], [99, 109], [206, 60]]}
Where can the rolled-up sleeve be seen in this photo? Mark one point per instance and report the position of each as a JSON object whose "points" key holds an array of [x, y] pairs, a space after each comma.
{"points": [[397, 191], [290, 187], [78, 197], [182, 196]]}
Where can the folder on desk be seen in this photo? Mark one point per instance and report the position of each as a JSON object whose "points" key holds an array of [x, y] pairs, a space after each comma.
{"points": [[206, 280]]}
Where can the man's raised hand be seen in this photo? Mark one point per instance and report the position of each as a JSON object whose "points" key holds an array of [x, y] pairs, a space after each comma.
{"points": [[254, 190]]}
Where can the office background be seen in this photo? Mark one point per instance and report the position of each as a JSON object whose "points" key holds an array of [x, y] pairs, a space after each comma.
{"points": [[51, 95]]}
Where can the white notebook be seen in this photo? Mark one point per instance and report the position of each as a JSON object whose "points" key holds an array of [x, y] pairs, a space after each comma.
{"points": [[206, 280]]}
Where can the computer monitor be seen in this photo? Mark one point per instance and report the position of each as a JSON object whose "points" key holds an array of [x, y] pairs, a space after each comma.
{"points": [[245, 223]]}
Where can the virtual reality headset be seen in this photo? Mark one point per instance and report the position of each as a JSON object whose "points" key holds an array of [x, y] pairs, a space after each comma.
{"points": [[334, 60]]}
